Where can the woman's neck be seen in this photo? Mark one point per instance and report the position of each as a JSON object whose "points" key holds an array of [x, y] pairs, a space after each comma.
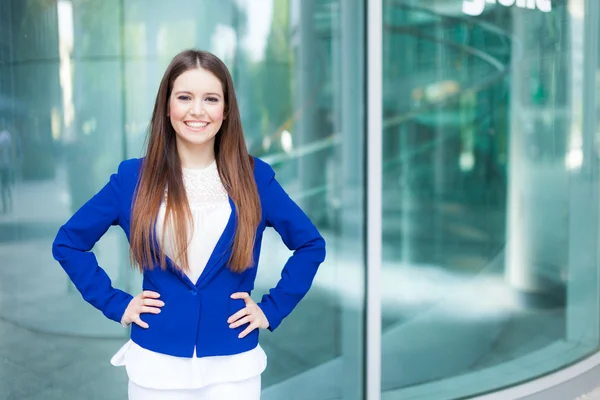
{"points": [[196, 157]]}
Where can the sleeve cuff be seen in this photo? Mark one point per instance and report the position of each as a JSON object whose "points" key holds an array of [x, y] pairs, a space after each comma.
{"points": [[119, 310], [270, 314]]}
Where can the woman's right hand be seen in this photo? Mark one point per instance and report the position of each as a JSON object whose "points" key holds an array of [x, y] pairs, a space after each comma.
{"points": [[145, 302]]}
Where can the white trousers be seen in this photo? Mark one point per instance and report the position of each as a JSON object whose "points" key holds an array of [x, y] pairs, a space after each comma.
{"points": [[242, 390]]}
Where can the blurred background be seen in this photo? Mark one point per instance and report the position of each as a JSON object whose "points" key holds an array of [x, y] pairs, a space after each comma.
{"points": [[491, 142]]}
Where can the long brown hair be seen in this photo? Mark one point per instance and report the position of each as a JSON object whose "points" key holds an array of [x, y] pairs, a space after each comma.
{"points": [[162, 169]]}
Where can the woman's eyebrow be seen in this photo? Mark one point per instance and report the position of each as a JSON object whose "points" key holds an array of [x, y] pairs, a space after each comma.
{"points": [[205, 94]]}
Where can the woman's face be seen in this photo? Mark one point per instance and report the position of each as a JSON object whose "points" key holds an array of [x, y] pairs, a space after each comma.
{"points": [[196, 108]]}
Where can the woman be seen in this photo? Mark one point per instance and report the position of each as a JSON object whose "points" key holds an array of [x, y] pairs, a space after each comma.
{"points": [[194, 211]]}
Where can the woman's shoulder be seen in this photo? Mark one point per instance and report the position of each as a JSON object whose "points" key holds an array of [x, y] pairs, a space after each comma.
{"points": [[129, 170], [263, 172], [130, 165]]}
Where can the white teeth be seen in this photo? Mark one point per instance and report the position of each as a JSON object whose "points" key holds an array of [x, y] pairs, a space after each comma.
{"points": [[196, 124]]}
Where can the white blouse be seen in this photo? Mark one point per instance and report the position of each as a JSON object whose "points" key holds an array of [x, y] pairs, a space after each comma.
{"points": [[210, 208]]}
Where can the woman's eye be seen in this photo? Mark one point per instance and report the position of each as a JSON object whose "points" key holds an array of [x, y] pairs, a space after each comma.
{"points": [[184, 98], [212, 99]]}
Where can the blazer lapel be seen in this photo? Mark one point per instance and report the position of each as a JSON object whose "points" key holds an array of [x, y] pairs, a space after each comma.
{"points": [[127, 228], [222, 248], [171, 265]]}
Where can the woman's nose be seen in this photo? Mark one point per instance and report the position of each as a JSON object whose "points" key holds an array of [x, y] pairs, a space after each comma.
{"points": [[197, 109]]}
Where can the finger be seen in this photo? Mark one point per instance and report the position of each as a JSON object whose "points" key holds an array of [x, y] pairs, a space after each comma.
{"points": [[151, 294], [152, 302], [246, 331], [138, 321], [240, 322], [243, 312], [244, 296], [150, 310], [240, 295]]}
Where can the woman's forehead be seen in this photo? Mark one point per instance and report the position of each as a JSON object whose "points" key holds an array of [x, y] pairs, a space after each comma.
{"points": [[198, 80]]}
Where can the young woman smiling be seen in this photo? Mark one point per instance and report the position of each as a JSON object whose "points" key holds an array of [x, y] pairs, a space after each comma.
{"points": [[194, 210]]}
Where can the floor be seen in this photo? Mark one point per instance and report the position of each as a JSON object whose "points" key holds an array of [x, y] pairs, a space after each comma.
{"points": [[593, 395]]}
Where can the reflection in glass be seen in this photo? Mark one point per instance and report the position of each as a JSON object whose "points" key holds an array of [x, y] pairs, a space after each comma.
{"points": [[485, 243], [77, 82]]}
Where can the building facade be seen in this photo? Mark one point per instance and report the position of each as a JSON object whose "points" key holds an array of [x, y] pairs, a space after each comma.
{"points": [[448, 150]]}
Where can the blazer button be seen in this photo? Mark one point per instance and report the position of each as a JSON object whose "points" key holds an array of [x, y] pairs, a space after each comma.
{"points": [[193, 293]]}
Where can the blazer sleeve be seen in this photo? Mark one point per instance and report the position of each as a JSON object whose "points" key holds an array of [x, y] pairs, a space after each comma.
{"points": [[75, 239], [301, 236]]}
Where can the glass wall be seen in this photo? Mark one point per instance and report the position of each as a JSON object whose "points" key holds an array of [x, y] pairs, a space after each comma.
{"points": [[78, 80], [490, 188]]}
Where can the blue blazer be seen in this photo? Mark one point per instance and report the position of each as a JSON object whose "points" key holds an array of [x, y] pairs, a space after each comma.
{"points": [[195, 313]]}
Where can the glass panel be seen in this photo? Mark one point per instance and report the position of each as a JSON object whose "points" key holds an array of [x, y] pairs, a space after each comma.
{"points": [[77, 85], [490, 219]]}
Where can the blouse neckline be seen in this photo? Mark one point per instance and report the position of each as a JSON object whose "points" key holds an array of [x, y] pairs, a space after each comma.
{"points": [[210, 167]]}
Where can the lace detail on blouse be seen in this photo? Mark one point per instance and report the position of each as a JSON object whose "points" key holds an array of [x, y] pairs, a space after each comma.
{"points": [[203, 187]]}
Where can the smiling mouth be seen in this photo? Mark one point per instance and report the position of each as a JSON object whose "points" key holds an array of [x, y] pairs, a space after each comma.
{"points": [[196, 125]]}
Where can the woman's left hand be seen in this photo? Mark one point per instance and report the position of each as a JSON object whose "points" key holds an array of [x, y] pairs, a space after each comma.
{"points": [[251, 314]]}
